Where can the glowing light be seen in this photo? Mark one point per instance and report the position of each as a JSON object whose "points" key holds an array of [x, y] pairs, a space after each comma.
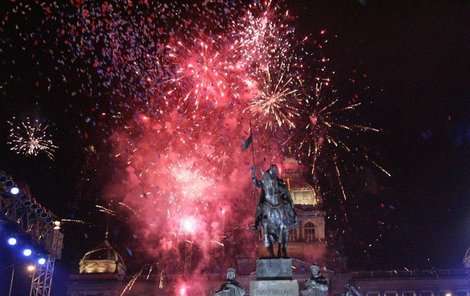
{"points": [[14, 190], [12, 241], [27, 252], [42, 261], [188, 225], [57, 224], [31, 268], [182, 290]]}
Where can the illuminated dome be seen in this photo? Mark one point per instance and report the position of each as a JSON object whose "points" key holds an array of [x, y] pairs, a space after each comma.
{"points": [[302, 192], [103, 259]]}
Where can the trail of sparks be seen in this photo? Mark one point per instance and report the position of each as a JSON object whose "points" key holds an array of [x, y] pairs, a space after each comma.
{"points": [[131, 283], [325, 128]]}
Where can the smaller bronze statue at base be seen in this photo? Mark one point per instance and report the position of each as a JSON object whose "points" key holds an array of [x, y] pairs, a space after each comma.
{"points": [[231, 287], [316, 285]]}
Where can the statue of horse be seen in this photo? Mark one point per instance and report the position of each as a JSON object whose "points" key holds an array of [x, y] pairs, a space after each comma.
{"points": [[275, 227], [275, 211]]}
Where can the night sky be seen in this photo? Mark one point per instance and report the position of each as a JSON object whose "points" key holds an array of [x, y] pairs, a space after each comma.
{"points": [[417, 54], [416, 57]]}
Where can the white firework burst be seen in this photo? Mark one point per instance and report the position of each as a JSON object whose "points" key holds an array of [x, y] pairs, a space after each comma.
{"points": [[30, 137]]}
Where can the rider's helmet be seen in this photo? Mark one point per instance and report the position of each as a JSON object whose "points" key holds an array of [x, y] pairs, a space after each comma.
{"points": [[273, 171]]}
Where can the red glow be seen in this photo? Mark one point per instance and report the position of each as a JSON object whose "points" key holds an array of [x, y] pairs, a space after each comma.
{"points": [[180, 168], [314, 119]]}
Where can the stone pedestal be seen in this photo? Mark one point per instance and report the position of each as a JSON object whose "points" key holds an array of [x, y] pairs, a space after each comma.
{"points": [[274, 278], [274, 288], [274, 269]]}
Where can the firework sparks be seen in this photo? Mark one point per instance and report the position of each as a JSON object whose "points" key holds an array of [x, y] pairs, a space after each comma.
{"points": [[273, 54], [171, 96], [326, 126], [73, 221], [278, 99], [202, 71], [30, 137], [131, 282], [106, 210]]}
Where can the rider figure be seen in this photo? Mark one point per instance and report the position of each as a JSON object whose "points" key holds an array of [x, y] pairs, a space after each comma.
{"points": [[271, 185]]}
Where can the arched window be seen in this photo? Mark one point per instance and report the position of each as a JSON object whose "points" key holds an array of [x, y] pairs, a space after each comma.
{"points": [[309, 232], [293, 235]]}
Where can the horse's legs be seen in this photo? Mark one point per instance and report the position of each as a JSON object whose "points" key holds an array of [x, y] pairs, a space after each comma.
{"points": [[271, 250], [279, 247], [283, 246], [267, 241], [283, 242]]}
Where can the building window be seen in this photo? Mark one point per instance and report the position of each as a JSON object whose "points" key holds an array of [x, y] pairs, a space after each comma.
{"points": [[426, 293], [390, 293], [293, 235], [408, 293], [309, 231], [372, 293]]}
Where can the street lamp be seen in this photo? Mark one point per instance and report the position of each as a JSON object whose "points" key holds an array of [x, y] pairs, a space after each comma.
{"points": [[31, 268]]}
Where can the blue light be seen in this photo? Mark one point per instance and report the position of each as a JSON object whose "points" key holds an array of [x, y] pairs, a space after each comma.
{"points": [[42, 261], [27, 252], [12, 241], [14, 190]]}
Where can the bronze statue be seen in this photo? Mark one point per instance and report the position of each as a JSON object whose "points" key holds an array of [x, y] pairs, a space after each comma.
{"points": [[316, 285], [230, 287], [275, 211]]}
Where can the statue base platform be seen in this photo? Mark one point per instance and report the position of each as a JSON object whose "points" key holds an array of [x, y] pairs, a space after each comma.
{"points": [[274, 288], [274, 269], [274, 278]]}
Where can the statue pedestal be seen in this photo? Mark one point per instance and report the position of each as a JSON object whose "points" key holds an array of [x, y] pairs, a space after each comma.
{"points": [[274, 278], [274, 288]]}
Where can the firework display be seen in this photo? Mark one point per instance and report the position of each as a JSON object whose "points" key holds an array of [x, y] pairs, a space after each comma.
{"points": [[30, 137], [174, 89]]}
